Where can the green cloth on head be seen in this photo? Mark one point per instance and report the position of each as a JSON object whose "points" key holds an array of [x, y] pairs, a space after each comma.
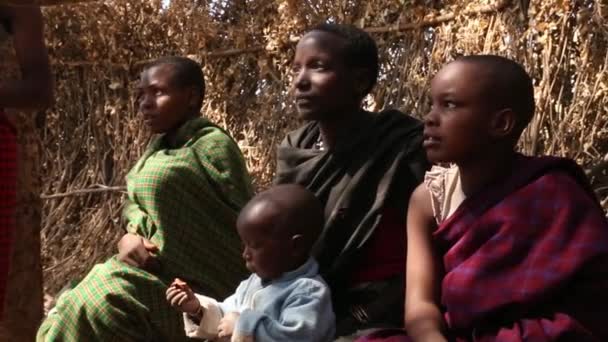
{"points": [[185, 200]]}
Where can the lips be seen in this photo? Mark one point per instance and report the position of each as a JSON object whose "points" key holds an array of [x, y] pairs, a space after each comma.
{"points": [[430, 140], [304, 99], [250, 266]]}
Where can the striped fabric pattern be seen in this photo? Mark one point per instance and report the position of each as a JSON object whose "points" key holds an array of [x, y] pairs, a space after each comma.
{"points": [[185, 201]]}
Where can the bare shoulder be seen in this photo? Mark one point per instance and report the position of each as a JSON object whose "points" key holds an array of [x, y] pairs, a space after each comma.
{"points": [[420, 203]]}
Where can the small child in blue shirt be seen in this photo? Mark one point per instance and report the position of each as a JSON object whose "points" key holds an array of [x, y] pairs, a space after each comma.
{"points": [[285, 299]]}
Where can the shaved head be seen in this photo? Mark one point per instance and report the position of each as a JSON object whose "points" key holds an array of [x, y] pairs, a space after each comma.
{"points": [[285, 210], [506, 85]]}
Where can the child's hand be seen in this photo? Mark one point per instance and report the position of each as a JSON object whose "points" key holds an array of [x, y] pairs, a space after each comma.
{"points": [[226, 327], [181, 297]]}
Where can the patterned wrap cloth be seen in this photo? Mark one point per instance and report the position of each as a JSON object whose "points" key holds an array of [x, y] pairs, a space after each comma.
{"points": [[525, 260], [184, 200], [8, 199]]}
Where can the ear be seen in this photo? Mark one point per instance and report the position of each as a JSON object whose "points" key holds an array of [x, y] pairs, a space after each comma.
{"points": [[298, 244], [193, 97], [503, 123], [361, 82]]}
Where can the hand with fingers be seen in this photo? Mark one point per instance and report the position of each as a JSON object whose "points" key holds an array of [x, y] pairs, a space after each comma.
{"points": [[138, 252], [181, 297], [226, 327]]}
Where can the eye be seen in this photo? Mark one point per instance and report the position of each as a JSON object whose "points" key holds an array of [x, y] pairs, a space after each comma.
{"points": [[319, 65], [295, 68], [450, 105]]}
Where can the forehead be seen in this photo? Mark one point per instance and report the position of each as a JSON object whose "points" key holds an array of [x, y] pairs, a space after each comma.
{"points": [[163, 74], [462, 79], [258, 220], [320, 43]]}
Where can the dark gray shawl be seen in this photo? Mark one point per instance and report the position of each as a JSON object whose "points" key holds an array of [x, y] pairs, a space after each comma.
{"points": [[378, 166]]}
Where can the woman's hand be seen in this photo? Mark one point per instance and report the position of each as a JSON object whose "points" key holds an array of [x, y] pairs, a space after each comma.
{"points": [[138, 252], [226, 327], [181, 297]]}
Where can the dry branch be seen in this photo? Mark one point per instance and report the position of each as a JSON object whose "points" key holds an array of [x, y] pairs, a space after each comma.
{"points": [[126, 66], [597, 169], [81, 192], [41, 2], [497, 7]]}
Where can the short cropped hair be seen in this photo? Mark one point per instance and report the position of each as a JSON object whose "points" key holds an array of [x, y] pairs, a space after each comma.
{"points": [[360, 50], [187, 73], [508, 86]]}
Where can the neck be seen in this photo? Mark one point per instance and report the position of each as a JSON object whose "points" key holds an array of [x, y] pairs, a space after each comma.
{"points": [[478, 174], [334, 130], [171, 135], [294, 266]]}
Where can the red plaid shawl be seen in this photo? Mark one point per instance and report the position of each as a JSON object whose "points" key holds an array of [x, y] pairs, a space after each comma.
{"points": [[528, 259], [8, 198]]}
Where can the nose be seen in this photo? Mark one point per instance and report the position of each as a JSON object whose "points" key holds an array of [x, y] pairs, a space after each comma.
{"points": [[146, 102], [246, 254], [301, 80], [430, 119]]}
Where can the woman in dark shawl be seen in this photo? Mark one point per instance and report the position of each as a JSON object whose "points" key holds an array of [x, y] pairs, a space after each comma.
{"points": [[362, 165]]}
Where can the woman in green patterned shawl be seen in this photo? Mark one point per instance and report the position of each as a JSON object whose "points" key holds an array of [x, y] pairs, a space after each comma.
{"points": [[184, 195]]}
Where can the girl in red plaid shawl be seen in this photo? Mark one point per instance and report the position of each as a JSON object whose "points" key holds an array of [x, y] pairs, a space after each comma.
{"points": [[32, 90], [501, 247]]}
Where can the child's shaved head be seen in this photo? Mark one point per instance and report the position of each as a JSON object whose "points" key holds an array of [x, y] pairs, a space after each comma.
{"points": [[286, 210], [506, 85]]}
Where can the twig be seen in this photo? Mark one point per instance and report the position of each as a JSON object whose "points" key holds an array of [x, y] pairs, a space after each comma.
{"points": [[81, 192], [42, 2], [498, 6], [216, 54], [595, 170], [126, 65]]}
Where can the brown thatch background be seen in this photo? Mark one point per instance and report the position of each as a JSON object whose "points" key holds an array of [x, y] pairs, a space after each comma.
{"points": [[93, 135]]}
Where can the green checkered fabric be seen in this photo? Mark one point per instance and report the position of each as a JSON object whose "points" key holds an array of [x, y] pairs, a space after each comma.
{"points": [[186, 201]]}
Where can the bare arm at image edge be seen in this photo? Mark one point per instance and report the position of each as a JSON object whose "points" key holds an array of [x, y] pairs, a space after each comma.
{"points": [[423, 318], [34, 89]]}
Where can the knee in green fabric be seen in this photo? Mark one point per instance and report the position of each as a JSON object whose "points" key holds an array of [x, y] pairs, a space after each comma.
{"points": [[102, 307]]}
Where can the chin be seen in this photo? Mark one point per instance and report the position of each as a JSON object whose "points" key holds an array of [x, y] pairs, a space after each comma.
{"points": [[161, 130], [307, 115], [314, 115], [155, 129], [436, 158]]}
